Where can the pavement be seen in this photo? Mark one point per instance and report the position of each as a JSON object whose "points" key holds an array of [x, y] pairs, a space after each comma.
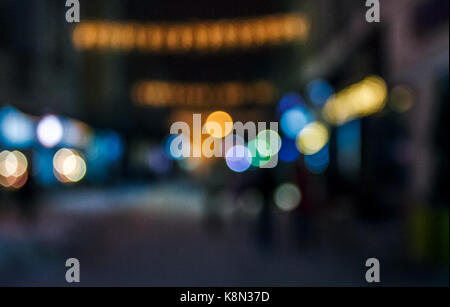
{"points": [[141, 235]]}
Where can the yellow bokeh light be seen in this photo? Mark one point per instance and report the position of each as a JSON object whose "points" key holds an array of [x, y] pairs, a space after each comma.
{"points": [[231, 93], [312, 138], [20, 181], [59, 158], [69, 166], [401, 98], [77, 169], [12, 164], [13, 169], [219, 124], [358, 100], [197, 36]]}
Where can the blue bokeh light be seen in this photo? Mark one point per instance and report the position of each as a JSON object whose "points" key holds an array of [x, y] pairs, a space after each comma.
{"points": [[16, 129], [318, 163], [290, 100], [319, 91], [294, 120], [348, 140], [184, 147], [238, 158], [158, 162], [289, 151], [43, 166]]}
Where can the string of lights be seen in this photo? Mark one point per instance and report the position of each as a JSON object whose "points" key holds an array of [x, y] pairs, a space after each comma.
{"points": [[201, 36], [231, 94]]}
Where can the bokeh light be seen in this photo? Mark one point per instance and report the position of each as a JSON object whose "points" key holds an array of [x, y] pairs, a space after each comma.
{"points": [[319, 91], [12, 163], [230, 141], [112, 145], [103, 152], [294, 120], [76, 134], [43, 171], [318, 163], [190, 164], [238, 158], [257, 159], [312, 138], [157, 160], [230, 93], [105, 147], [16, 129], [50, 131], [348, 148], [250, 202], [219, 124], [289, 101], [287, 197], [358, 100], [179, 150], [69, 166], [268, 143], [196, 36], [401, 98], [289, 151], [13, 169]]}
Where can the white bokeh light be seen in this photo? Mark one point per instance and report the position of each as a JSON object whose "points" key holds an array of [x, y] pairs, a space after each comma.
{"points": [[49, 131], [287, 197]]}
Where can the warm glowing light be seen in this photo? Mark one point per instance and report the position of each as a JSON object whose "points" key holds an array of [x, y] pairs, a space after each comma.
{"points": [[359, 100], [200, 36], [49, 131], [13, 169], [312, 138], [69, 166], [20, 181], [401, 98], [287, 197], [219, 124], [12, 164], [59, 158], [231, 93]]}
